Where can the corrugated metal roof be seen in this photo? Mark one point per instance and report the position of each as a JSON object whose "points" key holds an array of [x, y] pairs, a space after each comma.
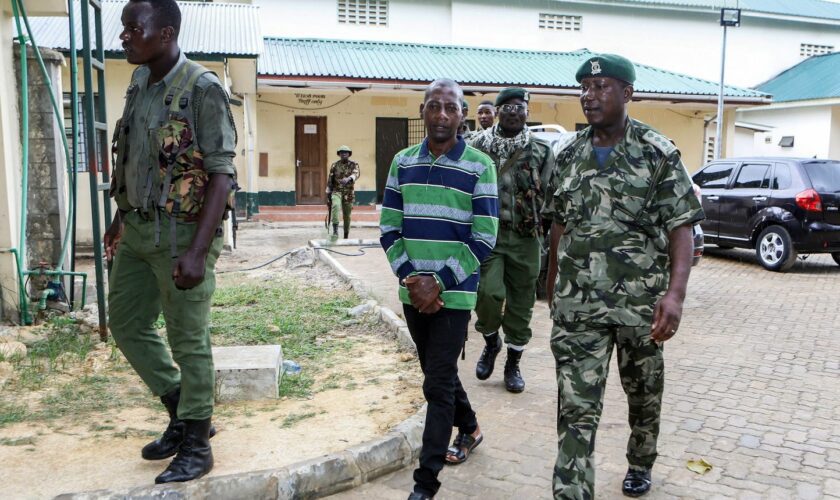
{"points": [[818, 9], [406, 62], [813, 78], [227, 29]]}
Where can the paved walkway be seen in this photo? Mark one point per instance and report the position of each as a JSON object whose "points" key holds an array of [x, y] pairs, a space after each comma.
{"points": [[752, 386]]}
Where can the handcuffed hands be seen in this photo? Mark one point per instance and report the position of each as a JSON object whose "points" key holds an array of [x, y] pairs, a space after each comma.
{"points": [[424, 293]]}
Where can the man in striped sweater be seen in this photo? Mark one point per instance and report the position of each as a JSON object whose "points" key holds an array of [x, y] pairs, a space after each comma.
{"points": [[439, 221]]}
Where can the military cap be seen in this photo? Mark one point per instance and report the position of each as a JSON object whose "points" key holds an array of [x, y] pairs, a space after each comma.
{"points": [[465, 106], [610, 65], [512, 93], [344, 148]]}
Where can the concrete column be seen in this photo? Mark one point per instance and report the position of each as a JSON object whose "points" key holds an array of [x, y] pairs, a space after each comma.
{"points": [[46, 217], [728, 146]]}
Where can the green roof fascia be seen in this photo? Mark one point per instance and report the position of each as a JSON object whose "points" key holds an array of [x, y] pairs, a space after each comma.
{"points": [[409, 62], [813, 78]]}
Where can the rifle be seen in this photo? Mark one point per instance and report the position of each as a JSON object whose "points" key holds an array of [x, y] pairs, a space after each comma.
{"points": [[330, 179]]}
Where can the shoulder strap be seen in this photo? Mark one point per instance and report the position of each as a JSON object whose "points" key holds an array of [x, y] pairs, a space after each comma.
{"points": [[511, 161], [660, 142]]}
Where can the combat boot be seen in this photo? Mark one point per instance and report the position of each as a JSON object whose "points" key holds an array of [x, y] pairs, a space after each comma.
{"points": [[194, 458], [335, 231], [484, 367], [513, 378], [346, 231], [167, 445]]}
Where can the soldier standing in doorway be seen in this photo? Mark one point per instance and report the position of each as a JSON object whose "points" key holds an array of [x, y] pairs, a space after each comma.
{"points": [[340, 188]]}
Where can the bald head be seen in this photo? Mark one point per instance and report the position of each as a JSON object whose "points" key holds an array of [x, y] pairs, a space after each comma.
{"points": [[444, 83]]}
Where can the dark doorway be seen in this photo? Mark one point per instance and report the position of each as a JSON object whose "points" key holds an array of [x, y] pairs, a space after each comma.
{"points": [[391, 137], [310, 159]]}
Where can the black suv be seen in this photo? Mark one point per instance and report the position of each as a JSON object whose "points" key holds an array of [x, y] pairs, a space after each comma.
{"points": [[779, 206]]}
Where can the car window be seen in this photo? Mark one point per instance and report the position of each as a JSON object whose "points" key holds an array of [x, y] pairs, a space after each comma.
{"points": [[825, 175], [714, 176], [781, 177], [752, 175]]}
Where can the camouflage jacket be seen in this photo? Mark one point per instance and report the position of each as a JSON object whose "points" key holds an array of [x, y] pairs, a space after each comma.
{"points": [[522, 186], [340, 170], [172, 135], [612, 260]]}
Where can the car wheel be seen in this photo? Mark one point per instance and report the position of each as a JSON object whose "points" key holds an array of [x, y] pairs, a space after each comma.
{"points": [[774, 249], [836, 257]]}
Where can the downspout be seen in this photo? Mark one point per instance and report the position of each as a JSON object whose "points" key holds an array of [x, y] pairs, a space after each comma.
{"points": [[20, 252]]}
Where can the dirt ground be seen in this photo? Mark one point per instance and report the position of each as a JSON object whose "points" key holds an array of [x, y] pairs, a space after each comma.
{"points": [[363, 392]]}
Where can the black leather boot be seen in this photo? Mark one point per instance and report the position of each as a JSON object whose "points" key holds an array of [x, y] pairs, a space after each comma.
{"points": [[484, 367], [167, 445], [194, 458], [346, 231], [636, 483], [513, 378]]}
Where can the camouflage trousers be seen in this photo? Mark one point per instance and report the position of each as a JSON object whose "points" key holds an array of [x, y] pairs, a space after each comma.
{"points": [[507, 288], [344, 207], [582, 360]]}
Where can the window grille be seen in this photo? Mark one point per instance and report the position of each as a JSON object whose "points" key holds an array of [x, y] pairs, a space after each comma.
{"points": [[559, 22], [710, 149], [810, 49], [81, 152], [416, 130], [363, 12]]}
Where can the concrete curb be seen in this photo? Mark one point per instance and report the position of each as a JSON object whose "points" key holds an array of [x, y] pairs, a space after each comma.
{"points": [[313, 478], [389, 317]]}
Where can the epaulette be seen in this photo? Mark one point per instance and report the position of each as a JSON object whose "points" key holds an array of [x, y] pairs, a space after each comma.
{"points": [[660, 142]]}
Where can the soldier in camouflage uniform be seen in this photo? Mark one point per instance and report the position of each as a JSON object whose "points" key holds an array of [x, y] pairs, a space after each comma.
{"points": [[173, 180], [506, 291], [620, 256], [340, 188]]}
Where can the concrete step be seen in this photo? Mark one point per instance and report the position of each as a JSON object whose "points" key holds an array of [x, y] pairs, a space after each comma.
{"points": [[311, 213]]}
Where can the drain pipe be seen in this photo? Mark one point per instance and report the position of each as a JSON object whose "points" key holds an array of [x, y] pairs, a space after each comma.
{"points": [[20, 252]]}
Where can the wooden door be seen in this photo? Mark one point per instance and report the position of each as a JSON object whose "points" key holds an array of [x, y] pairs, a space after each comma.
{"points": [[391, 137], [310, 160]]}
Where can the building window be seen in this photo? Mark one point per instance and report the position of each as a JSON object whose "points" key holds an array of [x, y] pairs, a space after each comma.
{"points": [[810, 49], [81, 152], [710, 149], [366, 12], [559, 22], [416, 130]]}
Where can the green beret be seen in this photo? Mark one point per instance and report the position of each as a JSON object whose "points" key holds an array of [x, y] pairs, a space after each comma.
{"points": [[512, 93], [611, 65]]}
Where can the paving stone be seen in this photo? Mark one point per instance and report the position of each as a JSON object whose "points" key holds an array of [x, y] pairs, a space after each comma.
{"points": [[247, 373]]}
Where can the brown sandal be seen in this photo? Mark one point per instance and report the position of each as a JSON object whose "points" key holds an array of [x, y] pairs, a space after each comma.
{"points": [[461, 448]]}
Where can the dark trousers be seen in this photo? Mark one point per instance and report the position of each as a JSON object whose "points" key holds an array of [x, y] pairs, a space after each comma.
{"points": [[439, 339]]}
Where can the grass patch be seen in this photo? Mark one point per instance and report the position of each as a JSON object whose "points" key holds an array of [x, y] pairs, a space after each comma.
{"points": [[11, 413], [26, 441], [94, 393], [294, 418]]}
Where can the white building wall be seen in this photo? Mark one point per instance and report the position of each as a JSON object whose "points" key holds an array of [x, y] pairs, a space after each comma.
{"points": [[10, 171], [809, 125], [683, 41], [834, 142], [427, 21]]}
